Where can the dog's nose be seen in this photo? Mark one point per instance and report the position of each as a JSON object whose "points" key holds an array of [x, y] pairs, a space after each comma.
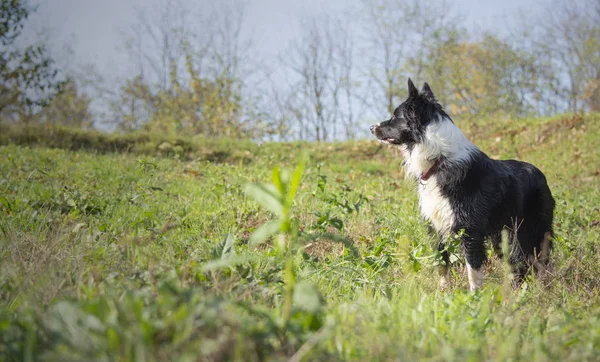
{"points": [[373, 128]]}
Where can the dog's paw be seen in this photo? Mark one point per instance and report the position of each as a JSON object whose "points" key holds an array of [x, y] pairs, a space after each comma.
{"points": [[444, 283]]}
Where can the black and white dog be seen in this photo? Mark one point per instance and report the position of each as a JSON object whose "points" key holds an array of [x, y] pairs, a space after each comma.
{"points": [[464, 192]]}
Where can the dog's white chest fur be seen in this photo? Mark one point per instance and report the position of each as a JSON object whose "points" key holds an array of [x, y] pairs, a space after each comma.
{"points": [[435, 207], [442, 138]]}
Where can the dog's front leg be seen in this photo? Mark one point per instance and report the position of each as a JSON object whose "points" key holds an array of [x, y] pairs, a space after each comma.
{"points": [[444, 268], [475, 277], [474, 248]]}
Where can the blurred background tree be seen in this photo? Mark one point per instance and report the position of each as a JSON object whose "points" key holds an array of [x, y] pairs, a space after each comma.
{"points": [[570, 36], [69, 108], [28, 76], [499, 82], [187, 82]]}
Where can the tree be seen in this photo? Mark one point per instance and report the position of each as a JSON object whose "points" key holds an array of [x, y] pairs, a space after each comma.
{"points": [[68, 108], [569, 37], [190, 75], [157, 41], [500, 80], [204, 106], [28, 77], [349, 95], [321, 84], [400, 34]]}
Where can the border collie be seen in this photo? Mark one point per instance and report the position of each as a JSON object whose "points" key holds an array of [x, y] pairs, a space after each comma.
{"points": [[463, 192]]}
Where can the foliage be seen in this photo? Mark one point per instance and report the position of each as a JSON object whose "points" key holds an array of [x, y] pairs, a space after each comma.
{"points": [[209, 107], [190, 71], [501, 80], [28, 76], [278, 198], [568, 39], [69, 108]]}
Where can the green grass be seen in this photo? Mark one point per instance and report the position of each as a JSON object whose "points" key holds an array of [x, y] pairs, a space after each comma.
{"points": [[103, 255]]}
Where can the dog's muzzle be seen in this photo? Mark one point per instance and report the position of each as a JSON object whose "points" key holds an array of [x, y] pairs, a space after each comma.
{"points": [[374, 129]]}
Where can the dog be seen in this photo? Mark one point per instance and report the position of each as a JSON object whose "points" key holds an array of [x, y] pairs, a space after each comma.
{"points": [[464, 193]]}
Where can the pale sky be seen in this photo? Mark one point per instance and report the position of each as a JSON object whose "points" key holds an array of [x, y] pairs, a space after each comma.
{"points": [[93, 29]]}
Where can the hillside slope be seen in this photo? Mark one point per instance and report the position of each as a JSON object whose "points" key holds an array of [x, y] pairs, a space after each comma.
{"points": [[104, 242]]}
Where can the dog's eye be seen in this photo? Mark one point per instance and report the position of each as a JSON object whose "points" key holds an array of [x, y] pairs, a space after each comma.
{"points": [[395, 119]]}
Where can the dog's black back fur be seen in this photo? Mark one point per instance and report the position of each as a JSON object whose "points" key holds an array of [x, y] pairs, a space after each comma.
{"points": [[494, 195]]}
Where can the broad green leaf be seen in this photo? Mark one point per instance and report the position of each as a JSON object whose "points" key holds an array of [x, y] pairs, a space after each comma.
{"points": [[113, 339], [278, 180], [307, 297], [295, 182], [264, 232], [267, 196], [225, 248]]}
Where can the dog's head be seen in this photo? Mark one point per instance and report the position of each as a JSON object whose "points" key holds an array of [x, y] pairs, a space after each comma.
{"points": [[408, 123]]}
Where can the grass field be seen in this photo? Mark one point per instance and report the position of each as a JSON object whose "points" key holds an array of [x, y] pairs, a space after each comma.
{"points": [[159, 254]]}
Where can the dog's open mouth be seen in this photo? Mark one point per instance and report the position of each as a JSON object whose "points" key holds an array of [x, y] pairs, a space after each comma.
{"points": [[389, 140]]}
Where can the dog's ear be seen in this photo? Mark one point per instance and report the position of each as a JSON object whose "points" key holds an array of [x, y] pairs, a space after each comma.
{"points": [[412, 90], [428, 93]]}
